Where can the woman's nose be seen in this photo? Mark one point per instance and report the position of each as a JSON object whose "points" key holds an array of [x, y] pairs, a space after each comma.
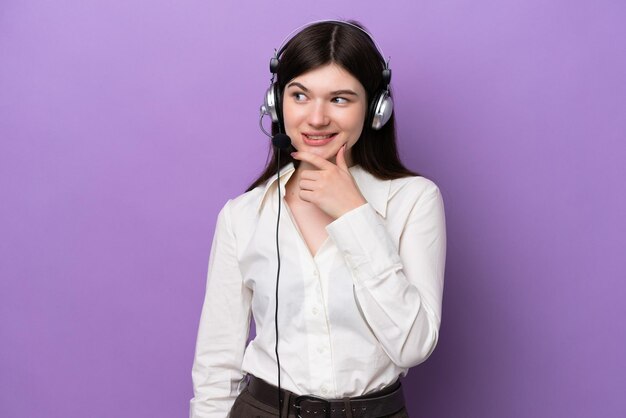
{"points": [[318, 115]]}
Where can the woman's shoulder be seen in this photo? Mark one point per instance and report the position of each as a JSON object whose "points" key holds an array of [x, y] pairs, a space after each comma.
{"points": [[406, 191], [414, 189], [415, 184], [400, 184], [246, 203]]}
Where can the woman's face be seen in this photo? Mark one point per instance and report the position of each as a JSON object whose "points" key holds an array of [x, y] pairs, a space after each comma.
{"points": [[324, 109]]}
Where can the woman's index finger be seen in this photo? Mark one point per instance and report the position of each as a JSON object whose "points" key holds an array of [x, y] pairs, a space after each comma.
{"points": [[316, 160]]}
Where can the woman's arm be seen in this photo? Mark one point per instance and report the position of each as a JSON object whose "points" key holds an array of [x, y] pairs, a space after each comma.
{"points": [[398, 287], [223, 329]]}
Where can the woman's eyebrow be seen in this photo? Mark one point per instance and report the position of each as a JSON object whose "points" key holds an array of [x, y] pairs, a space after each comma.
{"points": [[341, 92], [296, 84], [333, 93]]}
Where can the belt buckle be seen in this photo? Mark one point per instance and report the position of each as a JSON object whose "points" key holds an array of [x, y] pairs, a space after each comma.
{"points": [[301, 398]]}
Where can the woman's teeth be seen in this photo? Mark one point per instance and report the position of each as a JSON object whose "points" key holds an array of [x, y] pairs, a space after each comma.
{"points": [[319, 136]]}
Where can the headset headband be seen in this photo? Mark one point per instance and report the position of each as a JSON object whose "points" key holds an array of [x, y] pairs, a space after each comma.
{"points": [[286, 39]]}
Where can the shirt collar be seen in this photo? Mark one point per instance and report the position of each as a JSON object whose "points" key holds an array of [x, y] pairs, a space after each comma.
{"points": [[375, 190], [285, 175]]}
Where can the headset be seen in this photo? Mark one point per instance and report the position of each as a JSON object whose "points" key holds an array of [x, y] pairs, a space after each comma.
{"points": [[381, 104], [380, 111]]}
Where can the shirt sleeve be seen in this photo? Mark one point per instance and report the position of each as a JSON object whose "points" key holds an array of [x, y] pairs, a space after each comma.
{"points": [[223, 330], [398, 288]]}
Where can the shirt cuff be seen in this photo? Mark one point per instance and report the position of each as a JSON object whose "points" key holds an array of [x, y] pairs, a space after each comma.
{"points": [[361, 236]]}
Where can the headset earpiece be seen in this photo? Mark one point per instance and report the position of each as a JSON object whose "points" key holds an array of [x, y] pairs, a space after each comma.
{"points": [[381, 109], [272, 102], [381, 106]]}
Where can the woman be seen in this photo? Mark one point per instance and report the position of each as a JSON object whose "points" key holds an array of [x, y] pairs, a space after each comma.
{"points": [[362, 250]]}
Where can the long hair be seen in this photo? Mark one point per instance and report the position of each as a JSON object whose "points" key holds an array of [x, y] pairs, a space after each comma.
{"points": [[348, 47]]}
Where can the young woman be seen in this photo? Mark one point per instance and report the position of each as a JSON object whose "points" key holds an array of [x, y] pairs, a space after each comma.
{"points": [[361, 244]]}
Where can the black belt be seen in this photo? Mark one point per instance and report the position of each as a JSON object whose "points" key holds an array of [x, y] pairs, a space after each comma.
{"points": [[377, 404]]}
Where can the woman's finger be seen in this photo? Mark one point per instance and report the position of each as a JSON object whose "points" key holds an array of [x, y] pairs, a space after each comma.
{"points": [[341, 158], [313, 159], [307, 184], [310, 175], [306, 195]]}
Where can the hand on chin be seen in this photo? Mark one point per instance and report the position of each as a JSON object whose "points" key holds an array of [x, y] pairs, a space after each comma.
{"points": [[328, 185]]}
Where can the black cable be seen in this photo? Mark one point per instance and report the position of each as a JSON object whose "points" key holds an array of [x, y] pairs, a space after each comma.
{"points": [[277, 278]]}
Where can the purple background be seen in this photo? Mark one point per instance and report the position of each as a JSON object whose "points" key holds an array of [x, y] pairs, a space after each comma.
{"points": [[125, 126]]}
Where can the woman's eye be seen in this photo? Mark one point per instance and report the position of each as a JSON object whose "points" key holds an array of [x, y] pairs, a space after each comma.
{"points": [[340, 100], [299, 97]]}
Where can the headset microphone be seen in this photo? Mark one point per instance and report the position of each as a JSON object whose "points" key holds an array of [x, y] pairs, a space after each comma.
{"points": [[281, 141]]}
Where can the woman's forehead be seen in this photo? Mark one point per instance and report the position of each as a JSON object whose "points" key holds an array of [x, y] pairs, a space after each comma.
{"points": [[328, 77]]}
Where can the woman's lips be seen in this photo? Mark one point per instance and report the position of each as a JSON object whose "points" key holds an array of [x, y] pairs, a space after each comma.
{"points": [[318, 140]]}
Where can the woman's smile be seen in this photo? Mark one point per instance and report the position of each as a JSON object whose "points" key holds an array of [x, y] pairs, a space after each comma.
{"points": [[318, 139]]}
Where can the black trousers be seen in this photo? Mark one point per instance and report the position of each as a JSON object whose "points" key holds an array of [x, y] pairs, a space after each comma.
{"points": [[246, 406]]}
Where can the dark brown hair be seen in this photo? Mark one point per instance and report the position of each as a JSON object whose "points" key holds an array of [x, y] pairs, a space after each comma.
{"points": [[342, 44]]}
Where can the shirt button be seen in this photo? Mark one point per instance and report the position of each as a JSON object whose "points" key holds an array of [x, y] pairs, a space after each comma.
{"points": [[324, 390], [320, 349], [316, 273], [315, 311]]}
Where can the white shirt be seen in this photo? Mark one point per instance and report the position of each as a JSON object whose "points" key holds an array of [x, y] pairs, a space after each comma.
{"points": [[351, 319]]}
